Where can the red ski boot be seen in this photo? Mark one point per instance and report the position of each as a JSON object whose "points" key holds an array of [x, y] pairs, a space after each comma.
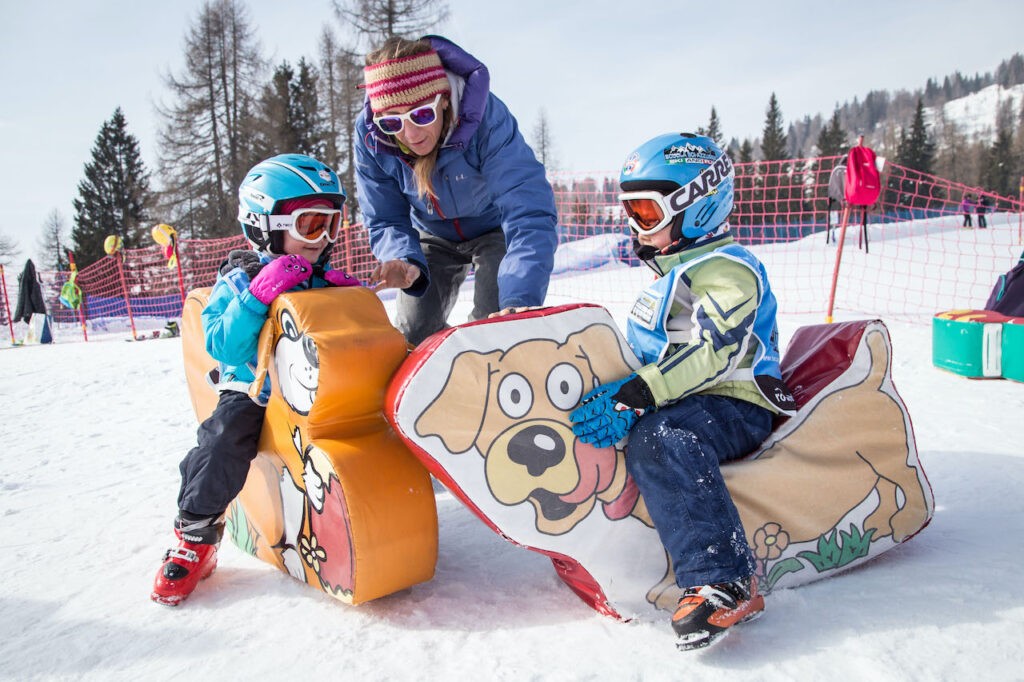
{"points": [[192, 560]]}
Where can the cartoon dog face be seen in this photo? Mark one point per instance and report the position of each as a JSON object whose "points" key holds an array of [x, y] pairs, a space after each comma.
{"points": [[297, 364], [513, 406]]}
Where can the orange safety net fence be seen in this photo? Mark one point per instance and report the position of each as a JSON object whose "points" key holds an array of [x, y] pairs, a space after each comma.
{"points": [[906, 257]]}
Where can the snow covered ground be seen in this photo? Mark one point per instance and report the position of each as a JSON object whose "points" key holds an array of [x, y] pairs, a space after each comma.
{"points": [[92, 434]]}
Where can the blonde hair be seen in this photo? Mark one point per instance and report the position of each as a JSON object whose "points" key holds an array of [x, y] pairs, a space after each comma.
{"points": [[422, 166]]}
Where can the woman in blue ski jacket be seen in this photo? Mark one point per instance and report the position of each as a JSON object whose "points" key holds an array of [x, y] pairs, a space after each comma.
{"points": [[446, 183]]}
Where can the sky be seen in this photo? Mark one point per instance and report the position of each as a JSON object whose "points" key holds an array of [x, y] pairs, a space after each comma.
{"points": [[608, 75], [104, 448]]}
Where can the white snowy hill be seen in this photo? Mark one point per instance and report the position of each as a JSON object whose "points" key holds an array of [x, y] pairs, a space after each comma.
{"points": [[975, 114], [92, 435]]}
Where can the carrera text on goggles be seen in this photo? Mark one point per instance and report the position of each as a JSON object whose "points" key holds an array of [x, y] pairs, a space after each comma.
{"points": [[309, 225], [392, 124], [651, 211]]}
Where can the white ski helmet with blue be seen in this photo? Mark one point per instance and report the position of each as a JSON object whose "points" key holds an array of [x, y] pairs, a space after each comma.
{"points": [[693, 175], [282, 177]]}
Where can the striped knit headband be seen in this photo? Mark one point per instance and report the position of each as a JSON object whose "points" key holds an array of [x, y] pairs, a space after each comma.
{"points": [[405, 81]]}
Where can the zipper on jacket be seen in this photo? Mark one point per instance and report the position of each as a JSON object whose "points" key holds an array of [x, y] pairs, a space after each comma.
{"points": [[455, 221]]}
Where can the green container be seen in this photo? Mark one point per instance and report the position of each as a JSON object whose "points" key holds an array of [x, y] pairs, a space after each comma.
{"points": [[1013, 349], [968, 343]]}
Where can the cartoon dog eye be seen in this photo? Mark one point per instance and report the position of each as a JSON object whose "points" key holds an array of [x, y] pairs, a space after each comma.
{"points": [[309, 349], [288, 326], [565, 386], [515, 397]]}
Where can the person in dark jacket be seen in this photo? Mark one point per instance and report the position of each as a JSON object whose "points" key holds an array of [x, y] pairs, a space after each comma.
{"points": [[983, 205], [447, 183]]}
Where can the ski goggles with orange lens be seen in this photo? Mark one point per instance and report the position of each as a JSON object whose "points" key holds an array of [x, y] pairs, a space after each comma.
{"points": [[309, 225], [650, 211], [647, 211], [392, 124]]}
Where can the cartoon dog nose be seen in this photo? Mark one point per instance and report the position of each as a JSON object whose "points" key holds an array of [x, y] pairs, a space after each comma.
{"points": [[538, 448]]}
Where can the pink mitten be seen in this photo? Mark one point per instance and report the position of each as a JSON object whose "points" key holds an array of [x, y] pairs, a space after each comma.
{"points": [[280, 274], [340, 278]]}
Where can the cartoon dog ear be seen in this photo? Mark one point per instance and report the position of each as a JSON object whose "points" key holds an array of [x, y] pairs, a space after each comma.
{"points": [[264, 354], [456, 415], [599, 345], [880, 356]]}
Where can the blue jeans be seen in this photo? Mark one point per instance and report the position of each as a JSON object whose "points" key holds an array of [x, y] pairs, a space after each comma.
{"points": [[674, 455], [449, 262]]}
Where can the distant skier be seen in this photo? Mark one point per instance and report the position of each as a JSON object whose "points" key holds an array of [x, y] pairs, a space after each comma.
{"points": [[303, 197], [983, 205], [967, 208], [710, 385]]}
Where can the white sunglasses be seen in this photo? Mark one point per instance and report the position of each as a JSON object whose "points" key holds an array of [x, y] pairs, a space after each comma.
{"points": [[392, 124]]}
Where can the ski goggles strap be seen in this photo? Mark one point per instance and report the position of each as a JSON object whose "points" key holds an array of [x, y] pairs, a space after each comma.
{"points": [[651, 211]]}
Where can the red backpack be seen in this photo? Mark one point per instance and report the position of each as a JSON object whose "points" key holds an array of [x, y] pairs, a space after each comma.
{"points": [[862, 182]]}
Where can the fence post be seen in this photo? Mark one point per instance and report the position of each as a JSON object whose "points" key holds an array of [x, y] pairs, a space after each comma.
{"points": [[839, 255], [181, 276], [346, 240], [7, 303], [118, 255]]}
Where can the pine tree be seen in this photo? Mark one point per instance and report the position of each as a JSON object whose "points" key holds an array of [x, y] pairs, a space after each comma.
{"points": [[290, 120], [999, 165], [209, 139], [542, 144], [915, 149], [305, 117], [275, 132], [746, 151], [374, 21], [955, 158], [832, 139], [773, 141], [715, 128], [341, 71], [9, 250], [114, 195], [1018, 150], [53, 243]]}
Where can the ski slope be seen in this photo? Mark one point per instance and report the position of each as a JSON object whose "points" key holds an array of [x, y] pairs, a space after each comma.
{"points": [[93, 432]]}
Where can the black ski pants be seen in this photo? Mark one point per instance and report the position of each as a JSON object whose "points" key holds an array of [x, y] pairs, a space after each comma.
{"points": [[214, 471]]}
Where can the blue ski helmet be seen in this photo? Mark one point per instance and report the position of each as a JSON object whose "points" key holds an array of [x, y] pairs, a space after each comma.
{"points": [[686, 179], [283, 177]]}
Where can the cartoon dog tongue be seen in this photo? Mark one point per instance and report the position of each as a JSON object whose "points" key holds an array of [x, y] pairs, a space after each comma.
{"points": [[597, 470]]}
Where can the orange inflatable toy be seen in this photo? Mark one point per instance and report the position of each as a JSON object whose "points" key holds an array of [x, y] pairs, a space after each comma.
{"points": [[333, 498]]}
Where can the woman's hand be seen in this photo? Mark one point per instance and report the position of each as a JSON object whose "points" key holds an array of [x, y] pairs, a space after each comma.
{"points": [[394, 274], [514, 310]]}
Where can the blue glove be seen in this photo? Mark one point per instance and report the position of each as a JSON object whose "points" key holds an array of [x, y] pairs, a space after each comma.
{"points": [[602, 419]]}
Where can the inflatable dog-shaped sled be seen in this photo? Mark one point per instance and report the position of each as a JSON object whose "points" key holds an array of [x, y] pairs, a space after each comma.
{"points": [[333, 498], [485, 407]]}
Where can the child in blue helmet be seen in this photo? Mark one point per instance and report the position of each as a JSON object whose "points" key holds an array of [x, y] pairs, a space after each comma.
{"points": [[710, 386], [290, 211]]}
